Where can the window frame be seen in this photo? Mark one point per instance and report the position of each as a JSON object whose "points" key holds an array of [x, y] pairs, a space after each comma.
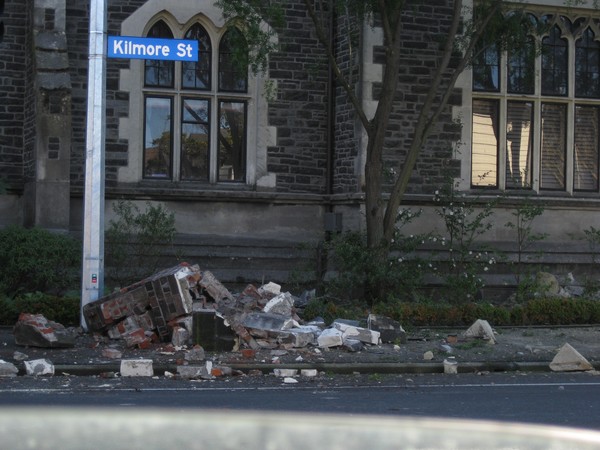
{"points": [[178, 93], [569, 100]]}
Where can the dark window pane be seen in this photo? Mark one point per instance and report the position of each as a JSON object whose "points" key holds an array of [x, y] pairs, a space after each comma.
{"points": [[519, 143], [587, 66], [553, 146], [484, 154], [195, 139], [486, 66], [585, 154], [233, 62], [196, 75], [554, 63], [232, 141], [521, 69], [158, 142], [159, 73]]}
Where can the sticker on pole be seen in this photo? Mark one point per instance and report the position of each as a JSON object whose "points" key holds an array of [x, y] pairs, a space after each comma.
{"points": [[128, 47], [94, 278]]}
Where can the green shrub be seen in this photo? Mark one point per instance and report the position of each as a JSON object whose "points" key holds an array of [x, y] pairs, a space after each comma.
{"points": [[34, 259], [135, 239], [64, 310]]}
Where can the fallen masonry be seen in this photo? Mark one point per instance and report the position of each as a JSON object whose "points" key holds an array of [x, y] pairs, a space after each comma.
{"points": [[186, 306]]}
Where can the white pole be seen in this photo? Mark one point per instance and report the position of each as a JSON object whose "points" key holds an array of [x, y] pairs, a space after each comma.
{"points": [[92, 285]]}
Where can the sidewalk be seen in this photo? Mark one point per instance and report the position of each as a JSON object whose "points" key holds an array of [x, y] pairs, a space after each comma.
{"points": [[523, 349]]}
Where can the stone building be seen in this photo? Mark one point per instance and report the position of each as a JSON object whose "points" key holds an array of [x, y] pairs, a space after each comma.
{"points": [[251, 177]]}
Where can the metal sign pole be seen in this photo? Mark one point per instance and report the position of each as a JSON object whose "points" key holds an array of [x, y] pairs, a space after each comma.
{"points": [[92, 285]]}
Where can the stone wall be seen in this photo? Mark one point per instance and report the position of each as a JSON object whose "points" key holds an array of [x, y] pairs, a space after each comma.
{"points": [[15, 59]]}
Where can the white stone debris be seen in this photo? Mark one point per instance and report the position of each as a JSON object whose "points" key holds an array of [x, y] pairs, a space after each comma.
{"points": [[450, 366], [362, 334], [7, 369], [39, 367], [569, 360], [136, 368], [285, 372], [481, 329], [330, 337]]}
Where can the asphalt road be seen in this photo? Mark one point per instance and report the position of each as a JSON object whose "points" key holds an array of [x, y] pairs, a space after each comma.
{"points": [[551, 399]]}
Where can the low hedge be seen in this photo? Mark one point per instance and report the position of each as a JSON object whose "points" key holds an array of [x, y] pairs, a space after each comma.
{"points": [[64, 310], [541, 311]]}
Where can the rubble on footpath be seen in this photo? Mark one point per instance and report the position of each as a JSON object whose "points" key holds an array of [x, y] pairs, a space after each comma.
{"points": [[182, 313], [186, 306]]}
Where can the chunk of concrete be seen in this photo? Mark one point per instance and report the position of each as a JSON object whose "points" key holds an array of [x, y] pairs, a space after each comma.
{"points": [[330, 337], [270, 289], [268, 322], [34, 330], [285, 372], [214, 288], [428, 355], [362, 334], [193, 372], [569, 360], [196, 354], [282, 304], [390, 330], [481, 329], [136, 368], [299, 337], [450, 366], [7, 369], [180, 336], [39, 367]]}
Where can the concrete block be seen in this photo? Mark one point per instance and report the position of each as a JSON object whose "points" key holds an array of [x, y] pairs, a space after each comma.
{"points": [[266, 321], [282, 304], [390, 330], [285, 372], [362, 334], [7, 369], [39, 367], [481, 329], [180, 337], [300, 337], [330, 337], [450, 366], [310, 373], [34, 330], [210, 331], [569, 360], [269, 288], [136, 368], [193, 372]]}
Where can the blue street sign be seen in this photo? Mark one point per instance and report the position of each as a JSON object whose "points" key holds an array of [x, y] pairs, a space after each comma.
{"points": [[151, 48]]}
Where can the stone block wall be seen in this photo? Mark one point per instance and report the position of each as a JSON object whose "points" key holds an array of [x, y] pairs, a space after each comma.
{"points": [[16, 105]]}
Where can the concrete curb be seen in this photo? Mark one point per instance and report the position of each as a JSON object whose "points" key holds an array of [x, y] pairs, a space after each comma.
{"points": [[333, 368]]}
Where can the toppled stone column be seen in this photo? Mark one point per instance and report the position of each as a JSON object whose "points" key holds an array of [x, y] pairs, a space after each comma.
{"points": [[152, 302]]}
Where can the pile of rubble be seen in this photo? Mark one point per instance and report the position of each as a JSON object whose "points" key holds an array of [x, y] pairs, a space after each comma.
{"points": [[184, 305]]}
